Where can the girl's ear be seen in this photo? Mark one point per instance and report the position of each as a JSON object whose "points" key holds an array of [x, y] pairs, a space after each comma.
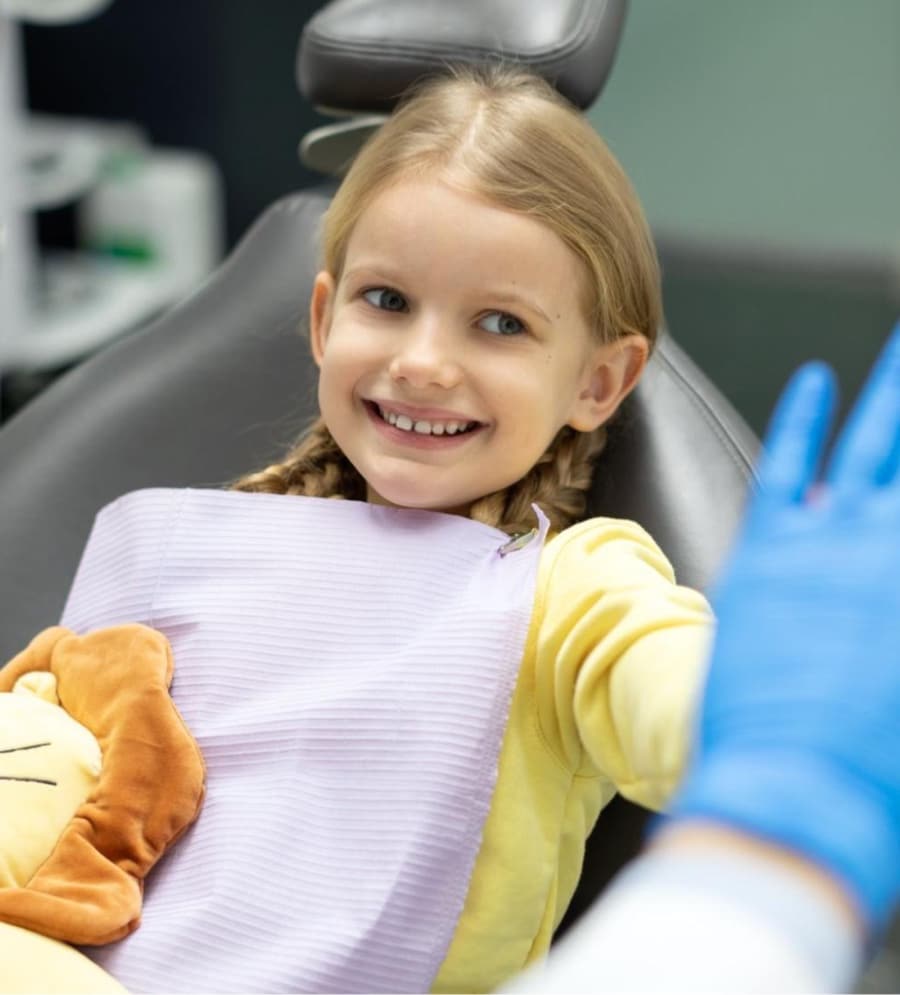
{"points": [[320, 305], [612, 373]]}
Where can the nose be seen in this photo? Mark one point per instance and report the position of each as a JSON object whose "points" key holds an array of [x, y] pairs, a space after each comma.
{"points": [[426, 356]]}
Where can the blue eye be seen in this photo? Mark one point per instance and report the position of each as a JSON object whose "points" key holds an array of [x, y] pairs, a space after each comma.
{"points": [[386, 299], [502, 323]]}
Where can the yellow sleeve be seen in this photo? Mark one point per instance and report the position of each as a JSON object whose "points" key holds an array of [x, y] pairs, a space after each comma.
{"points": [[620, 657]]}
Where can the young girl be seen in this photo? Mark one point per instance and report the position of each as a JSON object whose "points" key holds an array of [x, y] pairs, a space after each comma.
{"points": [[489, 295]]}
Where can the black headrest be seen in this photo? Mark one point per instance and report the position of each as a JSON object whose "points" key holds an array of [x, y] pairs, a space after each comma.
{"points": [[360, 55]]}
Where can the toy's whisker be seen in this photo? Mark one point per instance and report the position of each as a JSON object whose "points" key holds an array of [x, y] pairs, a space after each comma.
{"points": [[30, 780], [31, 746]]}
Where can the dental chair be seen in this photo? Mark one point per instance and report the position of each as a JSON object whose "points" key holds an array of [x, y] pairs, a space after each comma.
{"points": [[223, 382]]}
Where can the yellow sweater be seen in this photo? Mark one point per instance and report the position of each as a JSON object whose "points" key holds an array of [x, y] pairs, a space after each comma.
{"points": [[614, 659]]}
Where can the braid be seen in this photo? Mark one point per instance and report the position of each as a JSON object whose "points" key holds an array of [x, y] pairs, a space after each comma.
{"points": [[557, 483], [315, 467]]}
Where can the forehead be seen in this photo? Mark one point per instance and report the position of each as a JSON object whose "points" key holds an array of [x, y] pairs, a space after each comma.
{"points": [[427, 225]]}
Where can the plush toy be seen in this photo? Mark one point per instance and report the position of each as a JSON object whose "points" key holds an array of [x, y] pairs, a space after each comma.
{"points": [[98, 776]]}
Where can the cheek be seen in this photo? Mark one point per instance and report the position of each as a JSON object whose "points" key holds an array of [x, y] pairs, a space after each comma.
{"points": [[330, 390], [338, 360], [350, 349], [536, 397]]}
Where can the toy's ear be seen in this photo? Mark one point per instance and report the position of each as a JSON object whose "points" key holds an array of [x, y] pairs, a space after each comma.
{"points": [[113, 684], [39, 683]]}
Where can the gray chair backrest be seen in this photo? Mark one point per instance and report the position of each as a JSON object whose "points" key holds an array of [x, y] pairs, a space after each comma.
{"points": [[222, 383], [360, 55]]}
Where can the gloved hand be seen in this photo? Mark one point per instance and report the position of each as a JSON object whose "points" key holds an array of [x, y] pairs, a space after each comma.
{"points": [[799, 732]]}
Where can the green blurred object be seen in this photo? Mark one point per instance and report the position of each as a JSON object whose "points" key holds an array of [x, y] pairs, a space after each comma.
{"points": [[125, 246]]}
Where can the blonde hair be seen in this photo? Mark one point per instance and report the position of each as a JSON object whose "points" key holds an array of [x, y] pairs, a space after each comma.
{"points": [[507, 136]]}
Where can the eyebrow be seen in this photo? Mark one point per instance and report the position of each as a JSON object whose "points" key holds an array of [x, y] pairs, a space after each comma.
{"points": [[518, 299], [373, 273]]}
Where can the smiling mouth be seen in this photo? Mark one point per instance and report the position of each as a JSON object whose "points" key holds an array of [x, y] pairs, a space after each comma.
{"points": [[422, 426]]}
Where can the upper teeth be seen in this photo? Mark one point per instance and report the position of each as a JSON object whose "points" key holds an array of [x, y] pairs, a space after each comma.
{"points": [[423, 427]]}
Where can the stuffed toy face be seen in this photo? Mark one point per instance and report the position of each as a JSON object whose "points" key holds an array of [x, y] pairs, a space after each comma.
{"points": [[49, 764], [98, 776], [74, 855]]}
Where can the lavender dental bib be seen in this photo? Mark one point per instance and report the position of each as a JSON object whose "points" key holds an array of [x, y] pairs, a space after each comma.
{"points": [[347, 671]]}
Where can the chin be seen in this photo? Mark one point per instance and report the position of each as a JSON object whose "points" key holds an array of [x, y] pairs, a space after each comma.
{"points": [[412, 497]]}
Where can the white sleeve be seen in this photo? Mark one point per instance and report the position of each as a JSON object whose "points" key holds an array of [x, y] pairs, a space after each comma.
{"points": [[679, 922]]}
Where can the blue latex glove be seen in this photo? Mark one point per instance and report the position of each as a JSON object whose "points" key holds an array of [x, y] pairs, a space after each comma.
{"points": [[799, 736]]}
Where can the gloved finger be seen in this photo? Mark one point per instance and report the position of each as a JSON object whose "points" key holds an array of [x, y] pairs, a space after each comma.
{"points": [[868, 449], [792, 449]]}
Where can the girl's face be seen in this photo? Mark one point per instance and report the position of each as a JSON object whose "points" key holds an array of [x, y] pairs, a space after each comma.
{"points": [[454, 347]]}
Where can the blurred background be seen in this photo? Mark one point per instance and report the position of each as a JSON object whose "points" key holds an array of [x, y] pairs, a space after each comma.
{"points": [[764, 140]]}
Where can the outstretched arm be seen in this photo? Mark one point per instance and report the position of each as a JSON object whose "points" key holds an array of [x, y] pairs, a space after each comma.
{"points": [[781, 859]]}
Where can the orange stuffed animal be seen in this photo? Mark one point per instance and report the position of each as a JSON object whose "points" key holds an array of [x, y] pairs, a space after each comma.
{"points": [[98, 776]]}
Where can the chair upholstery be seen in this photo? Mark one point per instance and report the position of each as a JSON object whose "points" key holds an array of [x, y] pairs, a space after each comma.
{"points": [[360, 55], [678, 459], [223, 382], [356, 57], [216, 387]]}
